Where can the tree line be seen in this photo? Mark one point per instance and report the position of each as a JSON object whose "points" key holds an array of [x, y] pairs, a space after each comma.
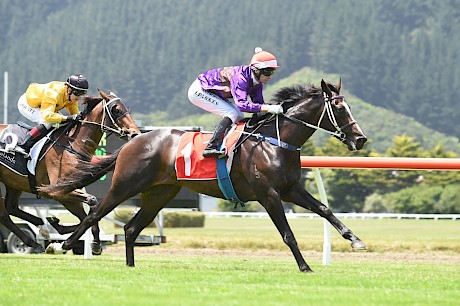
{"points": [[398, 54]]}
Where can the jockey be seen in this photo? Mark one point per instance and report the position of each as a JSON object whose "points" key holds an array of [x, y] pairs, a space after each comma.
{"points": [[212, 90], [41, 103]]}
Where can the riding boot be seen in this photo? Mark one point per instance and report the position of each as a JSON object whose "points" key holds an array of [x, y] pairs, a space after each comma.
{"points": [[32, 137], [212, 149]]}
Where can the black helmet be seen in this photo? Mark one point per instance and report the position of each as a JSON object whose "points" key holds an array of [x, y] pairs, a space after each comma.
{"points": [[78, 83]]}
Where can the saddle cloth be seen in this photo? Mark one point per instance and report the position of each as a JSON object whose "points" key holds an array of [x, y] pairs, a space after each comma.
{"points": [[190, 163], [12, 135]]}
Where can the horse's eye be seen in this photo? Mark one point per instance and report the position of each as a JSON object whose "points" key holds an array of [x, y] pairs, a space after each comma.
{"points": [[340, 108], [116, 110]]}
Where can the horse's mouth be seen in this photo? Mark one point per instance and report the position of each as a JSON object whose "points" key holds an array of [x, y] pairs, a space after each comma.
{"points": [[356, 145], [131, 136], [128, 136]]}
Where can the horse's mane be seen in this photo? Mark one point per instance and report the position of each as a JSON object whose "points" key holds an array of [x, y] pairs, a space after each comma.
{"points": [[295, 93], [91, 103]]}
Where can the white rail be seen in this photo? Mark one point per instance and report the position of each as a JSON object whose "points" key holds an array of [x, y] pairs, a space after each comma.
{"points": [[453, 217]]}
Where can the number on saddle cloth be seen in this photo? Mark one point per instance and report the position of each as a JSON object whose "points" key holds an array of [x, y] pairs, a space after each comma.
{"points": [[13, 134]]}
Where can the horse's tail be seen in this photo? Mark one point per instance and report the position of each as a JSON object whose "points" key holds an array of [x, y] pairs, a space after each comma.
{"points": [[85, 173]]}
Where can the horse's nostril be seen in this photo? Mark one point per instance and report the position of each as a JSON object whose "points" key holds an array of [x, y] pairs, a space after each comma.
{"points": [[360, 142], [133, 135]]}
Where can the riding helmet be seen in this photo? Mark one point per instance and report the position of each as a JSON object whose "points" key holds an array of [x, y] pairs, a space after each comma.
{"points": [[263, 59], [78, 82]]}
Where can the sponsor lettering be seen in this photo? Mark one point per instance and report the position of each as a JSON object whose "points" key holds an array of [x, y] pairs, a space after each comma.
{"points": [[8, 157], [207, 98]]}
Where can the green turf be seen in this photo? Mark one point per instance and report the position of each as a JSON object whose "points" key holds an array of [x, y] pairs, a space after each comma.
{"points": [[226, 278], [217, 280]]}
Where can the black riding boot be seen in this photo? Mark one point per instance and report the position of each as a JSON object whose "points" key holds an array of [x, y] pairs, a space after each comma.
{"points": [[32, 137], [212, 149]]}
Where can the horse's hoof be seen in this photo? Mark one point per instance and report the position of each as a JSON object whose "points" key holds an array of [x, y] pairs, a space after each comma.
{"points": [[91, 200], [305, 269], [96, 248], [39, 250], [53, 220], [44, 231], [358, 245], [55, 248]]}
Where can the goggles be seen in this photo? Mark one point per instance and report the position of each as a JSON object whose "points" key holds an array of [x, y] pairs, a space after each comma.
{"points": [[267, 71], [78, 92]]}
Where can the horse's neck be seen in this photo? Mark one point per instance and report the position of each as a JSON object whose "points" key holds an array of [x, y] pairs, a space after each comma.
{"points": [[299, 132], [87, 138], [293, 133]]}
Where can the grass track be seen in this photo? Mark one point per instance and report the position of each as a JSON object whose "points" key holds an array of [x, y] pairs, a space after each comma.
{"points": [[214, 280], [232, 276]]}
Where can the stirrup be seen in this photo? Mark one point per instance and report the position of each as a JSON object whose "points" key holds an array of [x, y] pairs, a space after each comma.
{"points": [[21, 150], [207, 153]]}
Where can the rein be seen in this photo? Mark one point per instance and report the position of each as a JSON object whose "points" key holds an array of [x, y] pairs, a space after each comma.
{"points": [[330, 114]]}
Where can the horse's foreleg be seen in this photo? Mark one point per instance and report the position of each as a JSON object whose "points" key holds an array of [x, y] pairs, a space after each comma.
{"points": [[274, 208], [73, 202], [95, 215], [96, 246], [303, 198]]}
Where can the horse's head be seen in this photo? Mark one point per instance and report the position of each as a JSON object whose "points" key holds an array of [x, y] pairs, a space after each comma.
{"points": [[111, 114], [337, 117]]}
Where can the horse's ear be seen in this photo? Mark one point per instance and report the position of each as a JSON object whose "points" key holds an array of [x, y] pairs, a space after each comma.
{"points": [[103, 95], [339, 85], [326, 88]]}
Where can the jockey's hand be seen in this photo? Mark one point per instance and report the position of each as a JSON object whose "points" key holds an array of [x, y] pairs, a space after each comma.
{"points": [[75, 117], [274, 109]]}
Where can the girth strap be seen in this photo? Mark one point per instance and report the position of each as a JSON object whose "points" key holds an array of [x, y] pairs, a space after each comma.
{"points": [[225, 183], [33, 185], [277, 142]]}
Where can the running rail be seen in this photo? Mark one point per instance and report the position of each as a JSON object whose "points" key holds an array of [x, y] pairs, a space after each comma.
{"points": [[401, 163]]}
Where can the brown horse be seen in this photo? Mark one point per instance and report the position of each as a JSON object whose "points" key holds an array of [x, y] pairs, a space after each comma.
{"points": [[261, 171], [68, 146]]}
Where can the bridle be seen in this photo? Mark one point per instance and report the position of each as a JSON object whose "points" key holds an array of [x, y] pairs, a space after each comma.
{"points": [[109, 120], [327, 110], [113, 121]]}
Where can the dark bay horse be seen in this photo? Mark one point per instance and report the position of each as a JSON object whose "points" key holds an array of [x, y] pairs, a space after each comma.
{"points": [[70, 144], [261, 171]]}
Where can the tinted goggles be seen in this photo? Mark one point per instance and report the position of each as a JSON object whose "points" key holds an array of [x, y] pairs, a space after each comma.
{"points": [[78, 92], [267, 71]]}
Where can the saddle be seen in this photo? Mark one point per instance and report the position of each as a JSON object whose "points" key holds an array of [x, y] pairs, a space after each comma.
{"points": [[190, 163]]}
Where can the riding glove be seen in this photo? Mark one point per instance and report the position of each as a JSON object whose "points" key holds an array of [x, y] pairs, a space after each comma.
{"points": [[75, 117], [275, 109]]}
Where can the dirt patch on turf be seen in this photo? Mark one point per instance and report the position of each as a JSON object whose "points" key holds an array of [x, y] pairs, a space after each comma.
{"points": [[435, 257]]}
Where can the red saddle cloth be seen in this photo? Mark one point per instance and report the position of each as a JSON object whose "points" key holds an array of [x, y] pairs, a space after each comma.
{"points": [[190, 163]]}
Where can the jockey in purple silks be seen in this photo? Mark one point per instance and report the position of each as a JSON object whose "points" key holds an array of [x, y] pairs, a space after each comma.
{"points": [[212, 90]]}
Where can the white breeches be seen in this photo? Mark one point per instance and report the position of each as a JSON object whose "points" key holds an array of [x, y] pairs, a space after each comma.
{"points": [[213, 103], [31, 113]]}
